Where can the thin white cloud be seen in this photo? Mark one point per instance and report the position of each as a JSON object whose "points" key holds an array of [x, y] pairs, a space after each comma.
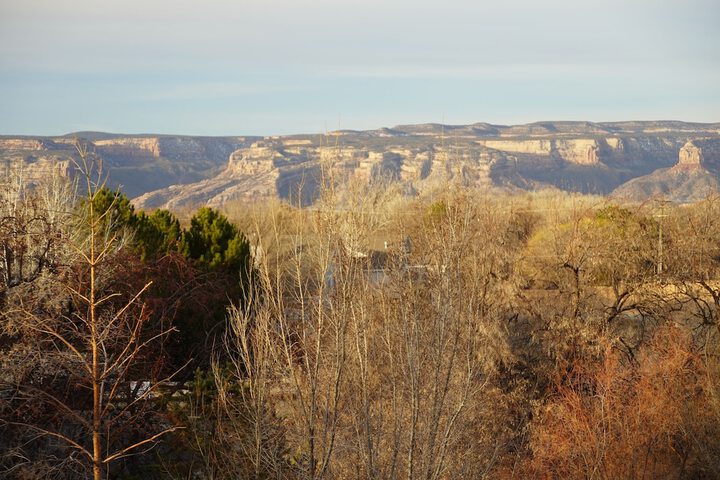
{"points": [[211, 90], [400, 60], [494, 72]]}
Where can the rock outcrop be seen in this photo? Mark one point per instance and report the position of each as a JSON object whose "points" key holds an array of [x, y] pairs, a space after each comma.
{"points": [[138, 164], [576, 151], [534, 147], [700, 153], [695, 176], [131, 147], [426, 157], [690, 157], [21, 144], [174, 171]]}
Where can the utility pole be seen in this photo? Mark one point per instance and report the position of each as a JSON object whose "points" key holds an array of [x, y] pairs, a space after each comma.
{"points": [[660, 216]]}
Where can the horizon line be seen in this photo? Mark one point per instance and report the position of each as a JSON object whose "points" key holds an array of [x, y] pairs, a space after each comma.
{"points": [[501, 125]]}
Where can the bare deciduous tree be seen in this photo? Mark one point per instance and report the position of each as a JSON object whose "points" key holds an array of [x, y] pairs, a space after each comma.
{"points": [[91, 344]]}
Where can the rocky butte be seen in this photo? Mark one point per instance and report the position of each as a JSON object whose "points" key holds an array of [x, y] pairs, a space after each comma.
{"points": [[630, 160], [695, 175]]}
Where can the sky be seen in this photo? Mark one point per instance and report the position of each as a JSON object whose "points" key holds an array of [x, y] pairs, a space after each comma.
{"points": [[261, 67]]}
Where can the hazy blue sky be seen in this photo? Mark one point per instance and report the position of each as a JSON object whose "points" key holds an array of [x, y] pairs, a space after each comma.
{"points": [[220, 67]]}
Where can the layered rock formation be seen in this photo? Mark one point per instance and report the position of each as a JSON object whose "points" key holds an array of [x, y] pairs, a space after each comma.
{"points": [[423, 159], [690, 157], [137, 164], [695, 176], [130, 147], [700, 153], [580, 151], [21, 144], [176, 171]]}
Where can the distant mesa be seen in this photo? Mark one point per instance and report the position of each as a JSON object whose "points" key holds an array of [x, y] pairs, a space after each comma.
{"points": [[630, 160], [137, 163], [695, 175]]}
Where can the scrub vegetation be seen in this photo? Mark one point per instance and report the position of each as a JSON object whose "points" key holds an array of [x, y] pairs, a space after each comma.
{"points": [[371, 335]]}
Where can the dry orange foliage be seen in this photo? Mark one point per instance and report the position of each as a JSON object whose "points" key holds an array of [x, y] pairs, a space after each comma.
{"points": [[656, 417]]}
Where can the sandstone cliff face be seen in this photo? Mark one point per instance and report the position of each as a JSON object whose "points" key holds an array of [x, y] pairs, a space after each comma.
{"points": [[700, 153], [580, 151], [172, 148], [276, 168], [129, 147], [36, 170], [611, 151], [690, 156], [272, 169], [615, 143], [137, 164], [34, 159], [692, 178], [252, 161], [166, 170], [577, 151], [21, 144], [535, 147]]}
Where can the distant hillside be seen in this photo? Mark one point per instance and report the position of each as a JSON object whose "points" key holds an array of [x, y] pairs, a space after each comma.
{"points": [[632, 159], [137, 163], [695, 176]]}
